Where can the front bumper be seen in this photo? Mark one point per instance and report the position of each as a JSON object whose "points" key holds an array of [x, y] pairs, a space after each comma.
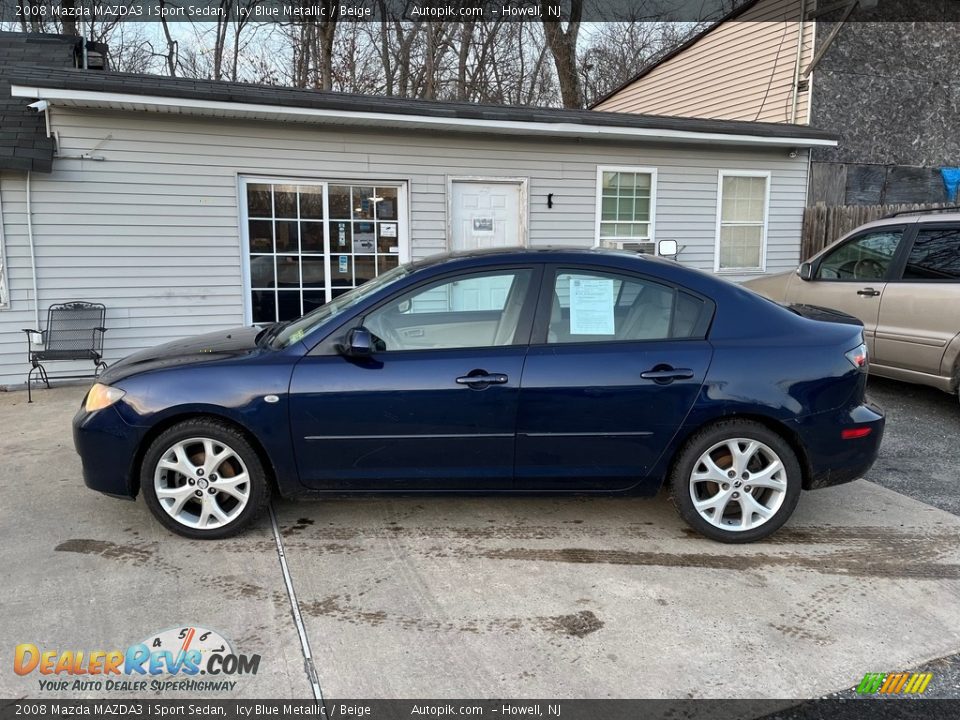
{"points": [[832, 460], [108, 449]]}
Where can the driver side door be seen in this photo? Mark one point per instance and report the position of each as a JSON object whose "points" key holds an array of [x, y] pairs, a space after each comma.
{"points": [[852, 276], [435, 406]]}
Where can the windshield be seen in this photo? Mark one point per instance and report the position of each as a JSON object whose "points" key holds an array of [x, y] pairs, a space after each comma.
{"points": [[300, 328]]}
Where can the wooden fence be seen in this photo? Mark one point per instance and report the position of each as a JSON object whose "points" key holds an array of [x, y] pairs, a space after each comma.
{"points": [[822, 224]]}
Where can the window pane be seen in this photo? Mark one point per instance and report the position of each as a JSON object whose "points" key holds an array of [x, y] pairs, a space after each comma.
{"points": [[740, 246], [262, 272], [387, 207], [364, 268], [339, 202], [259, 203], [387, 262], [364, 237], [601, 307], [387, 240], [311, 201], [285, 201], [341, 270], [743, 199], [865, 258], [935, 255], [312, 299], [471, 311], [363, 203], [314, 269], [288, 304], [261, 236], [288, 271], [311, 237], [608, 210], [288, 236], [341, 234], [264, 306]]}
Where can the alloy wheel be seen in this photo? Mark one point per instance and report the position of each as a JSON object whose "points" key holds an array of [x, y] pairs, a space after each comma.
{"points": [[738, 484], [202, 483]]}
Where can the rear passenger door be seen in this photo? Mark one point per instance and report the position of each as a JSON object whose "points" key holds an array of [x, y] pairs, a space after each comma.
{"points": [[919, 309], [616, 363]]}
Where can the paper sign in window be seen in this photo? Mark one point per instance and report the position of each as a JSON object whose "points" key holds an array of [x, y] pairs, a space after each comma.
{"points": [[591, 306]]}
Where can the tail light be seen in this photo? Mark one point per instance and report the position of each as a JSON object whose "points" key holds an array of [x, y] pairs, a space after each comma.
{"points": [[859, 357]]}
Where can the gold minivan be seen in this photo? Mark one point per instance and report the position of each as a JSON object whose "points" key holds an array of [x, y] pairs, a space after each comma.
{"points": [[901, 277]]}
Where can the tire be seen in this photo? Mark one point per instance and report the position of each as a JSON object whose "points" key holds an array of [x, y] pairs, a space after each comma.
{"points": [[202, 479], [743, 514]]}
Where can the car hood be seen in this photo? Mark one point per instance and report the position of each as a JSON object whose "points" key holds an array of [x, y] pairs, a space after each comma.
{"points": [[815, 312], [193, 350]]}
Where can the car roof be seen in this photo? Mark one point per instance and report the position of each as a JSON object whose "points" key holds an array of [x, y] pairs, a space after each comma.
{"points": [[909, 218]]}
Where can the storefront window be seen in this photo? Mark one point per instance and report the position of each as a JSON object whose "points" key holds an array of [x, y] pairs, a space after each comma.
{"points": [[301, 257]]}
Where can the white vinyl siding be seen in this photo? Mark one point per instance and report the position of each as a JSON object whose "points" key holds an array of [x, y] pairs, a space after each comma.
{"points": [[626, 207], [743, 200], [154, 230], [4, 303]]}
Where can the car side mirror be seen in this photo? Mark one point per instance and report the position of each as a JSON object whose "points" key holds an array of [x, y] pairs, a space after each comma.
{"points": [[805, 271], [667, 248], [358, 343]]}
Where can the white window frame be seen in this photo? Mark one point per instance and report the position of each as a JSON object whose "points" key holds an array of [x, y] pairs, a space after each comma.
{"points": [[766, 175], [652, 172], [244, 179]]}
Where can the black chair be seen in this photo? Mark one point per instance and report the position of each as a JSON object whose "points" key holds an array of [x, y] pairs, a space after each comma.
{"points": [[74, 332]]}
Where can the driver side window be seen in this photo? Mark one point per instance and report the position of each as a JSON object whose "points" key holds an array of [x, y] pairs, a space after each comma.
{"points": [[867, 257], [480, 310]]}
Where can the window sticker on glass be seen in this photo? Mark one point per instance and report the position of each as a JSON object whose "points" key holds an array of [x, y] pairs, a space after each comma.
{"points": [[591, 306], [344, 263], [388, 230]]}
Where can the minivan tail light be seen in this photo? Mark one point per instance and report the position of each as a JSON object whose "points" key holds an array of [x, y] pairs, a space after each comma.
{"points": [[859, 357]]}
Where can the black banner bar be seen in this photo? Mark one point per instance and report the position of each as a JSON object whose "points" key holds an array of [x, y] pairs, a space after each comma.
{"points": [[867, 708], [287, 11]]}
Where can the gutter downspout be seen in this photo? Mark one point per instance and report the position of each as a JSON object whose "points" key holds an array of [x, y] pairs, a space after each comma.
{"points": [[796, 67], [33, 259]]}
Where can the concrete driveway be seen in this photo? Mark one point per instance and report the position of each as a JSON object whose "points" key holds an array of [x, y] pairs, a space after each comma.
{"points": [[488, 597]]}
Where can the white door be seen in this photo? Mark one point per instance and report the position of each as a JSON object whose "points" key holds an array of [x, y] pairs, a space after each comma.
{"points": [[484, 215]]}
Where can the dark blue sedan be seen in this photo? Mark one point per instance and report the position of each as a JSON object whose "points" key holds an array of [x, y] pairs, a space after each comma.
{"points": [[513, 371]]}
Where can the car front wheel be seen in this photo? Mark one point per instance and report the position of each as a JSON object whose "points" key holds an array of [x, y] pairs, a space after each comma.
{"points": [[202, 479], [736, 481]]}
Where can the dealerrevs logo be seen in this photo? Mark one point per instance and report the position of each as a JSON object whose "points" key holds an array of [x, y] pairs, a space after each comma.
{"points": [[168, 660]]}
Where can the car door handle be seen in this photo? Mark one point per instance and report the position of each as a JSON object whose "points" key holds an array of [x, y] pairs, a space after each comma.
{"points": [[868, 292], [483, 379], [667, 374]]}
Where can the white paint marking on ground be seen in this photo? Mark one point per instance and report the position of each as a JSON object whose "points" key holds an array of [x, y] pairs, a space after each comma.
{"points": [[295, 610]]}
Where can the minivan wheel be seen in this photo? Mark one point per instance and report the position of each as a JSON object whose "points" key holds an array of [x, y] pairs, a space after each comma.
{"points": [[202, 479], [736, 481]]}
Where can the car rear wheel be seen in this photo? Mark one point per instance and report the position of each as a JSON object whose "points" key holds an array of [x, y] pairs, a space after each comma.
{"points": [[202, 479], [736, 481]]}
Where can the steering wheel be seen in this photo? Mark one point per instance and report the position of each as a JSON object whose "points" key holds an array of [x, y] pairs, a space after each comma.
{"points": [[868, 268]]}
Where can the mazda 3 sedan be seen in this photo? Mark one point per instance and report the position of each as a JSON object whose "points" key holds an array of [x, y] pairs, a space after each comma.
{"points": [[525, 371]]}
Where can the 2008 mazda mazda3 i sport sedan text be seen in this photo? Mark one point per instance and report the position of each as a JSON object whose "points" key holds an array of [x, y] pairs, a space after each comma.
{"points": [[511, 371]]}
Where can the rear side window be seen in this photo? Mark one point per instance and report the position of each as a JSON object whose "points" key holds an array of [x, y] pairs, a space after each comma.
{"points": [[590, 306], [935, 255]]}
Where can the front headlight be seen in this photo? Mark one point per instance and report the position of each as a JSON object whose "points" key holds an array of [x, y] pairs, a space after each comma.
{"points": [[102, 396]]}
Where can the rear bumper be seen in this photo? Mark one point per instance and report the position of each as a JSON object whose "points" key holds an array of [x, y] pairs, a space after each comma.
{"points": [[107, 447], [831, 459]]}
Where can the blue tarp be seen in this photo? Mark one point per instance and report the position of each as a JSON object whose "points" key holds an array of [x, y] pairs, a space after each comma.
{"points": [[951, 179]]}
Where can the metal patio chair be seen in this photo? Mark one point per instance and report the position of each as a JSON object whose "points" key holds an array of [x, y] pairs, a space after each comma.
{"points": [[74, 332]]}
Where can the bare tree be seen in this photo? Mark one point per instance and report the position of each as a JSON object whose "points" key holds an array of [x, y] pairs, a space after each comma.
{"points": [[563, 47]]}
